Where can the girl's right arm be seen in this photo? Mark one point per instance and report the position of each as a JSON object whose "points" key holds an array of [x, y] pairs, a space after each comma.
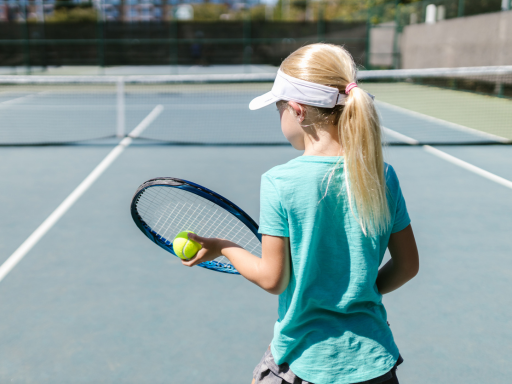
{"points": [[404, 263]]}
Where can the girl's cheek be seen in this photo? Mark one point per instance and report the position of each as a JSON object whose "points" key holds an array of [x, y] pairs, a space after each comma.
{"points": [[292, 131]]}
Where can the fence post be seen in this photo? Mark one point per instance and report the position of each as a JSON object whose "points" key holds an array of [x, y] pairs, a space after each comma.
{"points": [[120, 132], [367, 59], [247, 40], [460, 12], [396, 37], [173, 32], [320, 29], [100, 36], [26, 37], [499, 87], [43, 53]]}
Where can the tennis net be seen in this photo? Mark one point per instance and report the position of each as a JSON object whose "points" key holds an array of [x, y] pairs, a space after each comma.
{"points": [[458, 106]]}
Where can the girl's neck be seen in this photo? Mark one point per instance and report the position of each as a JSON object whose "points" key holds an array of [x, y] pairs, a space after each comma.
{"points": [[323, 142]]}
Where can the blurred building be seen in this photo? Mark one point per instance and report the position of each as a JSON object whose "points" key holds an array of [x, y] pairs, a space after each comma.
{"points": [[134, 10], [108, 10], [19, 10]]}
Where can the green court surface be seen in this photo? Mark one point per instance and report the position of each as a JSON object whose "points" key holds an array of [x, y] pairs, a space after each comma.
{"points": [[484, 113]]}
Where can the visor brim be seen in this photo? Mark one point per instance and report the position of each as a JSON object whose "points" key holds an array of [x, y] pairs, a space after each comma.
{"points": [[263, 100]]}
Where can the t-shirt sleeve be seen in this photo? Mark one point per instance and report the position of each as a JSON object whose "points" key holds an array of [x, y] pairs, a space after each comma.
{"points": [[273, 218], [401, 218]]}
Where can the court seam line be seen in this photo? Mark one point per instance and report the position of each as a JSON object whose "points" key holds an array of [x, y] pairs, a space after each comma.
{"points": [[449, 124], [54, 217], [452, 159]]}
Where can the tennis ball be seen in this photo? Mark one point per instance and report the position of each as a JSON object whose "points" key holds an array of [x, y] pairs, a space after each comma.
{"points": [[184, 247]]}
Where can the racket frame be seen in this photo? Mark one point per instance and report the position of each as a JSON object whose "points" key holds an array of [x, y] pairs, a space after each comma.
{"points": [[200, 191]]}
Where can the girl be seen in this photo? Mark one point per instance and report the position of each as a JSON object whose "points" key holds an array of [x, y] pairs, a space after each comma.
{"points": [[326, 220]]}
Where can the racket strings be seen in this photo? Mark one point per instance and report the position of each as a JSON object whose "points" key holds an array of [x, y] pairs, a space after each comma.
{"points": [[168, 211]]}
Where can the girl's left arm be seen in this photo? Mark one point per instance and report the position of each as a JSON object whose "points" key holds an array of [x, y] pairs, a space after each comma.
{"points": [[270, 272]]}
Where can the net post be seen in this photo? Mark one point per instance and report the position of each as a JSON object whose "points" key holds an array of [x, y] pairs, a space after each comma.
{"points": [[120, 132]]}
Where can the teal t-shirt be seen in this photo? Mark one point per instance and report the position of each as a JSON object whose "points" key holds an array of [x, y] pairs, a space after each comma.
{"points": [[332, 325]]}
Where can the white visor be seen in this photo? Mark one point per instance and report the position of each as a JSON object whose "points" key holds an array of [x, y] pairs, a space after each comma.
{"points": [[304, 92]]}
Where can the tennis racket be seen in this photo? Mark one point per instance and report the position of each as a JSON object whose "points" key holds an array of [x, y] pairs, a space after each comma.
{"points": [[166, 206]]}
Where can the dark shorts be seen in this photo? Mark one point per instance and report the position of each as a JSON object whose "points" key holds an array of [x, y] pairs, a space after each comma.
{"points": [[268, 372]]}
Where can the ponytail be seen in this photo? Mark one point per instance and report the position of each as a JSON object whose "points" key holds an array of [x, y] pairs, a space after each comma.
{"points": [[360, 134], [358, 128]]}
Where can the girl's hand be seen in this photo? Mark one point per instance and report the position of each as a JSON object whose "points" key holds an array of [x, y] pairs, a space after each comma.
{"points": [[211, 249], [271, 272]]}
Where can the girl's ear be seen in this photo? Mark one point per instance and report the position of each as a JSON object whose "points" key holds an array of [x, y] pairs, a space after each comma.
{"points": [[299, 110]]}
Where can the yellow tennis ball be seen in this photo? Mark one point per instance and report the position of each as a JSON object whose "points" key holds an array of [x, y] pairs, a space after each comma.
{"points": [[184, 247]]}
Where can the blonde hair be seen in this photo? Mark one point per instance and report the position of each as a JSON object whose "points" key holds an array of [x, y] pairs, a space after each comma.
{"points": [[358, 128]]}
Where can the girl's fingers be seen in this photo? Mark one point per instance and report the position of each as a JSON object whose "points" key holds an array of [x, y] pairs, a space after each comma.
{"points": [[189, 263], [204, 254], [195, 260], [196, 238]]}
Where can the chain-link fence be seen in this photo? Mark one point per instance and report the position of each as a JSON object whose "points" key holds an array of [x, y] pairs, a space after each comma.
{"points": [[184, 43]]}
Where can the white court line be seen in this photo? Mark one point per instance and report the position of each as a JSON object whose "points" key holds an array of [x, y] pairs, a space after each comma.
{"points": [[448, 124], [451, 159], [32, 240], [468, 166], [399, 136], [21, 99]]}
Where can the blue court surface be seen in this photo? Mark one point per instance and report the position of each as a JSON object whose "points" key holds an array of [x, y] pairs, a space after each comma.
{"points": [[93, 301]]}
